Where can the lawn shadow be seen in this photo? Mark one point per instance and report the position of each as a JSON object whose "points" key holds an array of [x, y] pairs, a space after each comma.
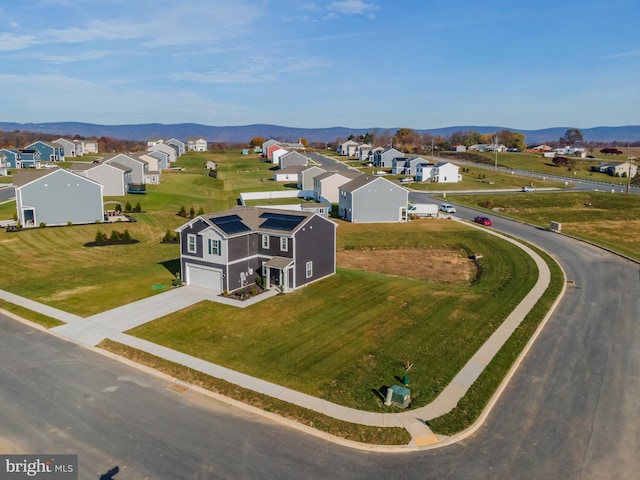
{"points": [[173, 266]]}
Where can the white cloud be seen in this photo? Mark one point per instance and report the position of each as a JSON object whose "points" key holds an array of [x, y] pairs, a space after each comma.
{"points": [[630, 53], [9, 42], [80, 57], [14, 24], [255, 70], [353, 7]]}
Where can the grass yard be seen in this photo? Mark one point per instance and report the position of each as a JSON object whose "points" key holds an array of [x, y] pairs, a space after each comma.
{"points": [[610, 220], [347, 336]]}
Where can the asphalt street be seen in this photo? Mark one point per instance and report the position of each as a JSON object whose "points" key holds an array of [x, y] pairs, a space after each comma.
{"points": [[568, 412]]}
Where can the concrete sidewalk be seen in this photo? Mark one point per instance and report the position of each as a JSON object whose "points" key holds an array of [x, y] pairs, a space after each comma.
{"points": [[111, 324]]}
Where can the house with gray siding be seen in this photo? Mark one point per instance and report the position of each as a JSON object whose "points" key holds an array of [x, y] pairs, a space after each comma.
{"points": [[29, 158], [293, 159], [325, 186], [179, 146], [372, 199], [168, 149], [306, 176], [289, 174], [406, 166], [227, 251], [115, 178], [384, 158], [69, 147], [56, 197], [139, 168], [197, 144]]}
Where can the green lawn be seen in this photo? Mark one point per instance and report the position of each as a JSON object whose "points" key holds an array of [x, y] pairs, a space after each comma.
{"points": [[351, 333], [611, 220]]}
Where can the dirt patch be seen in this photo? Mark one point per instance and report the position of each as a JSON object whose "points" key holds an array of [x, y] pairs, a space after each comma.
{"points": [[69, 293], [444, 266]]}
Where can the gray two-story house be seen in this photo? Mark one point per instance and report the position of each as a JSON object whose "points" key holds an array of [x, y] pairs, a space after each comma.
{"points": [[370, 199], [227, 251]]}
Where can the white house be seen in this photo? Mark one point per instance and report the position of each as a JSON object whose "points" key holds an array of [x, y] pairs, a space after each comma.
{"points": [[197, 144], [445, 172]]}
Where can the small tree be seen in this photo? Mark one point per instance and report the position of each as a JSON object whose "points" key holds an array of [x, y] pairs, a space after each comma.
{"points": [[137, 208], [183, 211], [192, 212], [127, 208], [115, 236], [100, 238], [126, 236], [201, 211]]}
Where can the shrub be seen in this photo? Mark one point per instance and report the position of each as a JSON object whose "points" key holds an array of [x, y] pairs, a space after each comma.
{"points": [[100, 237], [259, 280], [69, 223], [168, 236], [15, 216], [115, 236], [201, 211], [42, 224], [192, 212], [127, 208], [137, 208], [183, 211], [126, 236]]}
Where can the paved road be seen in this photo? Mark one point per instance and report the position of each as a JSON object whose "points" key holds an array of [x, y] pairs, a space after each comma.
{"points": [[6, 193], [327, 162], [569, 411]]}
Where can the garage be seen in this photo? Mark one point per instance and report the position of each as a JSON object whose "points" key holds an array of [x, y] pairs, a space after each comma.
{"points": [[205, 277]]}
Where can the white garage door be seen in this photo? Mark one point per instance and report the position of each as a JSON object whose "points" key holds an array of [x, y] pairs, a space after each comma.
{"points": [[199, 276]]}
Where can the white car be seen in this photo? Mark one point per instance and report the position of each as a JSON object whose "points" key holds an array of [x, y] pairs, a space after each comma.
{"points": [[447, 208], [527, 188]]}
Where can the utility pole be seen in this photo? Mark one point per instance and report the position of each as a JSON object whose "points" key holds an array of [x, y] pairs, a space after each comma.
{"points": [[629, 177], [495, 152]]}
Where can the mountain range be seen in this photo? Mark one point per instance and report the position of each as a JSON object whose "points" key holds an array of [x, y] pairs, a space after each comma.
{"points": [[243, 134]]}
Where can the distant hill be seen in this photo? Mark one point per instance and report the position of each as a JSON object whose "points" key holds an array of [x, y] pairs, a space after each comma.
{"points": [[242, 134]]}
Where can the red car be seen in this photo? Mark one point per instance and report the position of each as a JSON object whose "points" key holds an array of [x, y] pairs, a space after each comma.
{"points": [[483, 221]]}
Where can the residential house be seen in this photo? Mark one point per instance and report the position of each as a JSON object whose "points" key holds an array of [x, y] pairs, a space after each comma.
{"points": [[348, 148], [152, 175], [69, 147], [89, 146], [406, 166], [269, 143], [384, 158], [56, 197], [288, 174], [268, 153], [139, 168], [161, 158], [3, 165], [306, 176], [276, 154], [179, 146], [49, 152], [152, 142], [445, 172], [617, 169], [424, 172], [540, 148], [458, 148], [326, 185], [370, 199], [168, 149], [12, 157], [115, 178], [227, 251], [292, 159], [29, 158], [368, 156], [197, 144]]}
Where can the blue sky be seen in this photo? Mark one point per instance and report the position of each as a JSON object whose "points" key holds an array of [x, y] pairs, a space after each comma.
{"points": [[321, 63]]}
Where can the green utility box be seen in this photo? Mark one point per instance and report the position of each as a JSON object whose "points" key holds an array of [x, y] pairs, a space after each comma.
{"points": [[398, 396]]}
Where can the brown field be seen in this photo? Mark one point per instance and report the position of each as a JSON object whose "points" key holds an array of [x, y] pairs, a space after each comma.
{"points": [[434, 265]]}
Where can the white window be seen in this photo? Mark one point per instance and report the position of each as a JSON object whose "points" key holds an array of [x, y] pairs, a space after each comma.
{"points": [[309, 269], [284, 244], [265, 241], [191, 243], [214, 247]]}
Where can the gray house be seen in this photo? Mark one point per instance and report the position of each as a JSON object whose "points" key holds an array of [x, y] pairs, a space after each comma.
{"points": [[306, 176], [139, 168], [384, 158], [406, 166], [115, 178], [369, 199], [293, 159], [56, 197], [227, 251]]}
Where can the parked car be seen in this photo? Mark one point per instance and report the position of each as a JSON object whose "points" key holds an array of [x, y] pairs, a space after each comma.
{"points": [[445, 207], [528, 188], [483, 221]]}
